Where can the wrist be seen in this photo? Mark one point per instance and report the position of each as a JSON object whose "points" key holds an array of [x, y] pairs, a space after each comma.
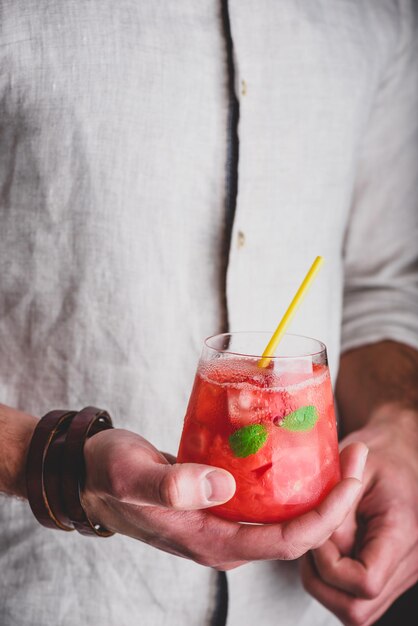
{"points": [[55, 468], [88, 493], [392, 430], [399, 420], [16, 430]]}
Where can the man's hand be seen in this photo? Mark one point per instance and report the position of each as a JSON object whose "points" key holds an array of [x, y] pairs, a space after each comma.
{"points": [[373, 558], [132, 489]]}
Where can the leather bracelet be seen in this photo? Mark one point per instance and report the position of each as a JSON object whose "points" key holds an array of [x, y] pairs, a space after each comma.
{"points": [[53, 478], [49, 427], [85, 424]]}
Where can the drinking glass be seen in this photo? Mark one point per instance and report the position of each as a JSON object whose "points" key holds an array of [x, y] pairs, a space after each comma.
{"points": [[273, 427]]}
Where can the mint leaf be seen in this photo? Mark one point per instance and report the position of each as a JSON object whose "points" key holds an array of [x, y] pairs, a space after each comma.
{"points": [[248, 440], [304, 418]]}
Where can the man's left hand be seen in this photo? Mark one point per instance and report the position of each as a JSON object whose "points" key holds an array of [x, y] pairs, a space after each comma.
{"points": [[373, 557]]}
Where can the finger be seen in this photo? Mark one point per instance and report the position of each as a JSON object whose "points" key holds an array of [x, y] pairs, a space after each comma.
{"points": [[169, 457], [333, 599], [182, 487], [378, 607], [188, 486], [342, 572], [348, 609], [351, 610], [353, 459], [366, 575], [352, 575], [126, 467], [318, 525], [314, 528], [344, 536], [384, 546], [292, 539]]}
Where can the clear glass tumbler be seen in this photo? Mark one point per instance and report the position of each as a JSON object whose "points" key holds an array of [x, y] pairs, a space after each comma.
{"points": [[273, 428]]}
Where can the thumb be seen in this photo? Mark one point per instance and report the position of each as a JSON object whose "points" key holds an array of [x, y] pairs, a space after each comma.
{"points": [[126, 467], [187, 486], [183, 486]]}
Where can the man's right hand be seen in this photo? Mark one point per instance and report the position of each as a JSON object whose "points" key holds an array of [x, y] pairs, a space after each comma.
{"points": [[132, 488]]}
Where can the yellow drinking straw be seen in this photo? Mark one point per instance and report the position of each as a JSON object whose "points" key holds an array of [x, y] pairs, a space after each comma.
{"points": [[287, 317]]}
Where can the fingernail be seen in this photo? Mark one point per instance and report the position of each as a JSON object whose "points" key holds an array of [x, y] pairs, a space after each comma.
{"points": [[218, 486]]}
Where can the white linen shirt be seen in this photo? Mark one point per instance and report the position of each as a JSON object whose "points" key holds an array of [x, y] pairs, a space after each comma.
{"points": [[113, 156]]}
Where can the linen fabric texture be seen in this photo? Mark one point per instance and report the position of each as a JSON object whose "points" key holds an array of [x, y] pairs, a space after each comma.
{"points": [[114, 260]]}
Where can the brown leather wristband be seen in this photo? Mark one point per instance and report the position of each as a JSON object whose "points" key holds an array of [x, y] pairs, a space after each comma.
{"points": [[86, 423], [53, 478], [49, 427]]}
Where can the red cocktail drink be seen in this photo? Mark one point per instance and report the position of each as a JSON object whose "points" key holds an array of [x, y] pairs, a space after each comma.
{"points": [[274, 429]]}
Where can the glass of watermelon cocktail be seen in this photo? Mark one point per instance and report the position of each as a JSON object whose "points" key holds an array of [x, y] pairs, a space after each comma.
{"points": [[273, 427]]}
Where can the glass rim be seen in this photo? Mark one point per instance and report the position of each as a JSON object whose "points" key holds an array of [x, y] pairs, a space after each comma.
{"points": [[309, 354]]}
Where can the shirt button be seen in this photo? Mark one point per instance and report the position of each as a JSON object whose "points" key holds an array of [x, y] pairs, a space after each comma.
{"points": [[240, 239]]}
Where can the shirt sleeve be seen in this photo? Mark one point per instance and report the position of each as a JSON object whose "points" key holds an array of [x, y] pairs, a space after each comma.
{"points": [[381, 244]]}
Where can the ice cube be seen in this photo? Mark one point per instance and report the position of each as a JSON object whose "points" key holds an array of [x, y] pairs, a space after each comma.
{"points": [[296, 474], [246, 406], [249, 405]]}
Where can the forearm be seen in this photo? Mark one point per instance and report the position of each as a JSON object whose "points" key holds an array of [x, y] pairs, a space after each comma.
{"points": [[376, 380], [16, 430]]}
